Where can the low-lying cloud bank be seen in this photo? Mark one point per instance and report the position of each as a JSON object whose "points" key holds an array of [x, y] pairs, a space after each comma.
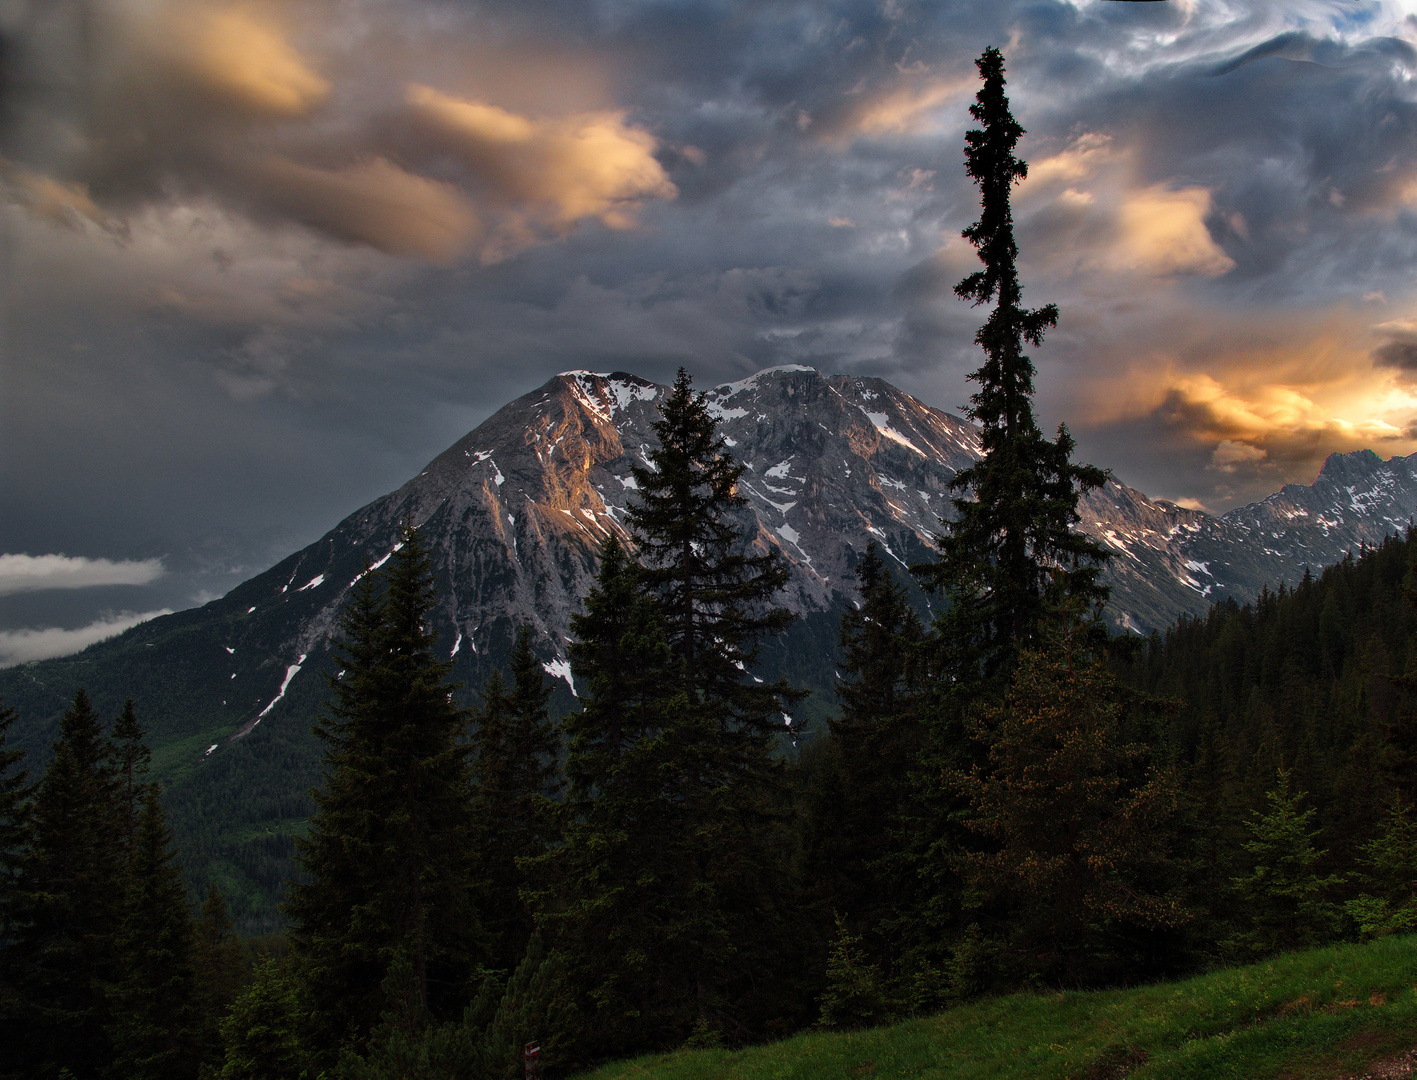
{"points": [[44, 643], [31, 573]]}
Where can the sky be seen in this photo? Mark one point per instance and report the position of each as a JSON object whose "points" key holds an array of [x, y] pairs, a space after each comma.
{"points": [[261, 260]]}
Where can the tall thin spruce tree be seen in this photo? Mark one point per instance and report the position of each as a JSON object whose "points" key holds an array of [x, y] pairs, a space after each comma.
{"points": [[1011, 557], [389, 850], [1011, 568]]}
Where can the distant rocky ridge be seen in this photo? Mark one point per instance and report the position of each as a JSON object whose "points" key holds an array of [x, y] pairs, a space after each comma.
{"points": [[1169, 560]]}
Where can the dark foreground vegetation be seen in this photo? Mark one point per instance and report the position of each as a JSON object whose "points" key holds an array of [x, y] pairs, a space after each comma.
{"points": [[1007, 800]]}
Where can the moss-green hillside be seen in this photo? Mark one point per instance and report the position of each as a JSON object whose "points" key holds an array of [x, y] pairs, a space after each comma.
{"points": [[1324, 1014]]}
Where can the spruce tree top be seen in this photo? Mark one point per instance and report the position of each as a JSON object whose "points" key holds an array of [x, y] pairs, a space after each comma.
{"points": [[1006, 379], [1011, 559], [716, 599]]}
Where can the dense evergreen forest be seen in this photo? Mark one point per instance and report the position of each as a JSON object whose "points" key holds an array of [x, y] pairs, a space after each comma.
{"points": [[1006, 798]]}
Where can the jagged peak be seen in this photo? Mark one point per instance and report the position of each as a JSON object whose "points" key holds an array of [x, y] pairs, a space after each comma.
{"points": [[728, 389], [1342, 465], [607, 376], [603, 394]]}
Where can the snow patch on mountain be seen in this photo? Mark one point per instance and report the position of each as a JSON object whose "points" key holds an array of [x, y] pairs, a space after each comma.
{"points": [[561, 669]]}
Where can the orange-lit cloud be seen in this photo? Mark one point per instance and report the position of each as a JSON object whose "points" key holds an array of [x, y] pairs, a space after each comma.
{"points": [[1082, 159], [1229, 454], [908, 108], [554, 171], [237, 52], [1257, 397], [1162, 231], [52, 200], [376, 203], [1095, 216], [245, 101]]}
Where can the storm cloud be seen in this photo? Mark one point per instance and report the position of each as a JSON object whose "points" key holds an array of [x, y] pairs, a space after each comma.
{"points": [[264, 258]]}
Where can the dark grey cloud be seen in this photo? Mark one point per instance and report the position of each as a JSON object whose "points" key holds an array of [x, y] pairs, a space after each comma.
{"points": [[250, 287]]}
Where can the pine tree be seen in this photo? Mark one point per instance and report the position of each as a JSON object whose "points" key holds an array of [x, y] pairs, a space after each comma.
{"points": [[1011, 557], [716, 599], [854, 995], [515, 751], [154, 1015], [264, 1034], [389, 848], [70, 907], [1283, 897], [15, 794], [132, 757], [218, 973], [1388, 905], [488, 1042], [1077, 876], [532, 1008], [716, 604], [616, 898], [858, 801]]}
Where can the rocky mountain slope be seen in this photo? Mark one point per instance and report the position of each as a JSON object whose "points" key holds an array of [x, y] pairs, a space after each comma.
{"points": [[515, 513], [1169, 560], [516, 510]]}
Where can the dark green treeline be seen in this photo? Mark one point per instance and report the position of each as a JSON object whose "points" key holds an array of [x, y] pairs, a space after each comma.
{"points": [[1300, 711], [107, 971]]}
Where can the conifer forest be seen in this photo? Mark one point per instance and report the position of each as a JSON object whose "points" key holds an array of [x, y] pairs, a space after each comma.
{"points": [[1006, 797]]}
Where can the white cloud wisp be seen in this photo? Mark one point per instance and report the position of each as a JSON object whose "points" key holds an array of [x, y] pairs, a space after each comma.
{"points": [[31, 573], [44, 643]]}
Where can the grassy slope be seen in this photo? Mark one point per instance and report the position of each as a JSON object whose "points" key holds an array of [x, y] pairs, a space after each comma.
{"points": [[1303, 1016]]}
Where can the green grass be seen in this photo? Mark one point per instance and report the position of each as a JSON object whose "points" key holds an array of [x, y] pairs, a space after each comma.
{"points": [[1302, 1016]]}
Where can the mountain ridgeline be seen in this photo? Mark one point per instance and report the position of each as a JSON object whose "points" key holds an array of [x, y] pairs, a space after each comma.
{"points": [[514, 514]]}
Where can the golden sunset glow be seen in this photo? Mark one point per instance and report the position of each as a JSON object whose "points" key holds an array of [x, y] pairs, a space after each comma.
{"points": [[1163, 231]]}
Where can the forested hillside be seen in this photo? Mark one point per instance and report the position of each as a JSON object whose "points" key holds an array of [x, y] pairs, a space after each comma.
{"points": [[1319, 683]]}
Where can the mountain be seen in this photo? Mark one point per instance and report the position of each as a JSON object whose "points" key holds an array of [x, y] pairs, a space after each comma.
{"points": [[1168, 560], [515, 513]]}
